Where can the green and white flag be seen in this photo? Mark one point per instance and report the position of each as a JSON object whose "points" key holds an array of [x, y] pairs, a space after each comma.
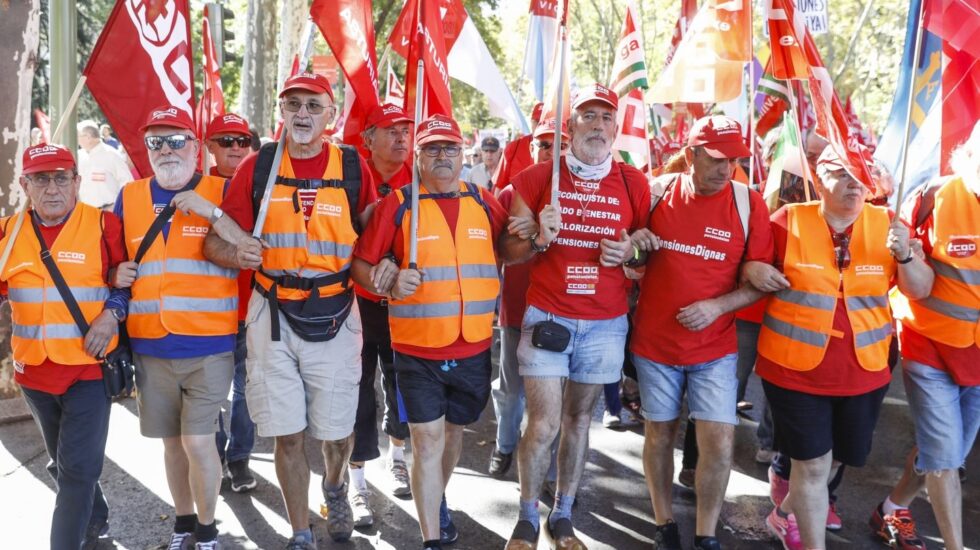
{"points": [[786, 160]]}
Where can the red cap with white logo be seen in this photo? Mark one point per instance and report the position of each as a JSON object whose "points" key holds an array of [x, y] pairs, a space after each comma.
{"points": [[310, 82], [438, 128], [384, 116], [228, 123], [169, 116], [596, 92], [47, 158], [547, 128], [720, 136]]}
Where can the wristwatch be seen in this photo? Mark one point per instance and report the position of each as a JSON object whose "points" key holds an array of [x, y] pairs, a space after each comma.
{"points": [[216, 215], [535, 247], [118, 314], [906, 260]]}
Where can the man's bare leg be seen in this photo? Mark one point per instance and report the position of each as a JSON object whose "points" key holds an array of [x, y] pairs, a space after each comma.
{"points": [[715, 441]]}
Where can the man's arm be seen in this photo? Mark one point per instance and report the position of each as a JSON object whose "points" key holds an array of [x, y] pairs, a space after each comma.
{"points": [[701, 314], [514, 248]]}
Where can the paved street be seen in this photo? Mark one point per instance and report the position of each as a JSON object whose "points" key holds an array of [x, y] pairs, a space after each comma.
{"points": [[613, 509]]}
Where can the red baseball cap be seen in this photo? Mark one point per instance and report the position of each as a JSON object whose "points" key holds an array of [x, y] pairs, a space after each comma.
{"points": [[228, 123], [596, 92], [720, 136], [44, 157], [170, 116], [438, 128], [547, 128], [384, 116], [311, 82], [830, 160]]}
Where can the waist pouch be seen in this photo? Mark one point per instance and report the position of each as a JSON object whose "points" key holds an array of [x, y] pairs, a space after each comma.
{"points": [[551, 336], [316, 319]]}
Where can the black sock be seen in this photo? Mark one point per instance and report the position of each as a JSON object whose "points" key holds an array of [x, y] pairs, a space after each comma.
{"points": [[432, 545], [699, 539], [185, 524], [206, 533]]}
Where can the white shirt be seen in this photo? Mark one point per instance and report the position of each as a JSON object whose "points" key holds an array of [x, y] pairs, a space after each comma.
{"points": [[480, 176], [104, 172]]}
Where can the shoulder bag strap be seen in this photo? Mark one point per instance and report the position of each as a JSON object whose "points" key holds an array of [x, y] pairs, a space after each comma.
{"points": [[162, 218], [59, 281]]}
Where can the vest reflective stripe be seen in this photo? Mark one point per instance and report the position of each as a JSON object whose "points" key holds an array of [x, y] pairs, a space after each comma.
{"points": [[42, 326], [951, 313], [799, 321], [298, 248], [460, 282], [177, 290]]}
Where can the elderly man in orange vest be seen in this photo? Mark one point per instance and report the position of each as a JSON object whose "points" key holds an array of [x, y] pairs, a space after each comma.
{"points": [[440, 311], [183, 317], [823, 346]]}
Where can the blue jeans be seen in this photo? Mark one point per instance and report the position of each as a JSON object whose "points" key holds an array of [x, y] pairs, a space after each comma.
{"points": [[74, 426], [710, 386], [508, 392], [946, 417], [238, 444], [594, 354]]}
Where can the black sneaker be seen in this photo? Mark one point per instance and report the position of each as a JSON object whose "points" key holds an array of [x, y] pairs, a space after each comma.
{"points": [[92, 535], [708, 543], [499, 462], [242, 479], [448, 534], [667, 537]]}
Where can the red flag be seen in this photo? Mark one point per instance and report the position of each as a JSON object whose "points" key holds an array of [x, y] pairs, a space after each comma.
{"points": [[419, 34], [142, 60], [957, 22], [348, 28], [212, 101], [44, 123], [689, 8]]}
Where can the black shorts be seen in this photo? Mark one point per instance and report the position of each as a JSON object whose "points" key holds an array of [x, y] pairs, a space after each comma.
{"points": [[806, 426], [433, 388]]}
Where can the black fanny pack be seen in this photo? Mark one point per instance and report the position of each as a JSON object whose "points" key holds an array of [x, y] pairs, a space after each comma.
{"points": [[551, 336]]}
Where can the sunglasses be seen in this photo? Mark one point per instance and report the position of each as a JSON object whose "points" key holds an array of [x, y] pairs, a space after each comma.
{"points": [[226, 142], [175, 142], [545, 145], [434, 150], [294, 105], [841, 243]]}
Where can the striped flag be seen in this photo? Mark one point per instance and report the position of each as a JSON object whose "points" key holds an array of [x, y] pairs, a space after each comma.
{"points": [[542, 38], [628, 79], [785, 162]]}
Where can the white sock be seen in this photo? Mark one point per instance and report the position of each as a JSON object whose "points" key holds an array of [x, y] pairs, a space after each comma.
{"points": [[396, 453], [888, 507], [357, 480]]}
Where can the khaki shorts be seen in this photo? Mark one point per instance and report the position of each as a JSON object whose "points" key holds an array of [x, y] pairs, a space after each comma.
{"points": [[294, 385], [182, 396]]}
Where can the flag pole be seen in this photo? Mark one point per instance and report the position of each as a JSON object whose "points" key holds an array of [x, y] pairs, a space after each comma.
{"points": [[559, 109], [413, 242], [804, 167], [307, 47], [751, 132], [908, 110]]}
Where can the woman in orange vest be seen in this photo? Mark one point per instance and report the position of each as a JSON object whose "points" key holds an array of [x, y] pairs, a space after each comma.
{"points": [[823, 347], [440, 313]]}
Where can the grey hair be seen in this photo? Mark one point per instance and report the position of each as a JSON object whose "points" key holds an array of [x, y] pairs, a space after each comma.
{"points": [[89, 128]]}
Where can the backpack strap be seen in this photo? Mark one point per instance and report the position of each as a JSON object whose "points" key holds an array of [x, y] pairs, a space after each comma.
{"points": [[471, 191], [740, 191]]}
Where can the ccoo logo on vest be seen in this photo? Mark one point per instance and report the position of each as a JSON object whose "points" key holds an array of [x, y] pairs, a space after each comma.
{"points": [[961, 247], [69, 257]]}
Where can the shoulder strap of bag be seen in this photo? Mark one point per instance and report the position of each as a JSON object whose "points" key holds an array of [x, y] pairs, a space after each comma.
{"points": [[59, 281], [743, 206], [157, 226]]}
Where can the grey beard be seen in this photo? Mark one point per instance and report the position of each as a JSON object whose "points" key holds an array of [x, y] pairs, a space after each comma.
{"points": [[173, 176]]}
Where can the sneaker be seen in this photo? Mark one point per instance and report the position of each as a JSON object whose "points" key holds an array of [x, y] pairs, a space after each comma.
{"points": [[448, 534], [834, 523], [241, 477], [785, 529], [302, 544], [896, 530], [562, 535], [92, 535], [764, 456], [686, 477], [499, 462], [209, 545], [181, 541], [336, 510], [399, 478], [361, 507], [524, 537], [708, 543], [778, 488], [667, 537], [611, 420]]}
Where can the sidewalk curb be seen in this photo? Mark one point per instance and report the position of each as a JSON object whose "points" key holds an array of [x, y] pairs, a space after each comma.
{"points": [[13, 410]]}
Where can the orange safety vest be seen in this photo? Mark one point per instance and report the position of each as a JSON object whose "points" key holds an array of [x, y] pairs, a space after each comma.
{"points": [[798, 323], [951, 312], [43, 327], [318, 248], [460, 282], [177, 289]]}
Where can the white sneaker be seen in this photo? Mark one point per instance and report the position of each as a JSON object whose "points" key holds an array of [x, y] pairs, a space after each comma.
{"points": [[361, 507], [611, 420], [764, 456]]}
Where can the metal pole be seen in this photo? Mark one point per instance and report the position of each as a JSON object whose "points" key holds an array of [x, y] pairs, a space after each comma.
{"points": [[413, 241], [559, 108], [751, 128], [799, 138], [62, 33], [916, 55]]}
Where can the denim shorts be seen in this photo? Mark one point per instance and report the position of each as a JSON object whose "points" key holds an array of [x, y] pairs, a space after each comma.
{"points": [[594, 354], [711, 389], [946, 416]]}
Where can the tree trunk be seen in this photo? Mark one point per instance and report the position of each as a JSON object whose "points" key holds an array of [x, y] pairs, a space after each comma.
{"points": [[292, 21], [259, 65], [19, 38]]}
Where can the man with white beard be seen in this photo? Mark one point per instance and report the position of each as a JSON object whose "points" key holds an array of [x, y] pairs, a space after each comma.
{"points": [[183, 317]]}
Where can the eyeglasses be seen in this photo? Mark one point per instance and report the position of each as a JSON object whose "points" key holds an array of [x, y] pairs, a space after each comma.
{"points": [[61, 180], [841, 243], [175, 142], [294, 105], [545, 145], [226, 142], [434, 150]]}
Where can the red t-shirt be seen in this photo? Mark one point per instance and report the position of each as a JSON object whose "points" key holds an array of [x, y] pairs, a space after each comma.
{"points": [[517, 278], [961, 363], [839, 374], [401, 178], [702, 248], [55, 378], [382, 237], [516, 157], [567, 280]]}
